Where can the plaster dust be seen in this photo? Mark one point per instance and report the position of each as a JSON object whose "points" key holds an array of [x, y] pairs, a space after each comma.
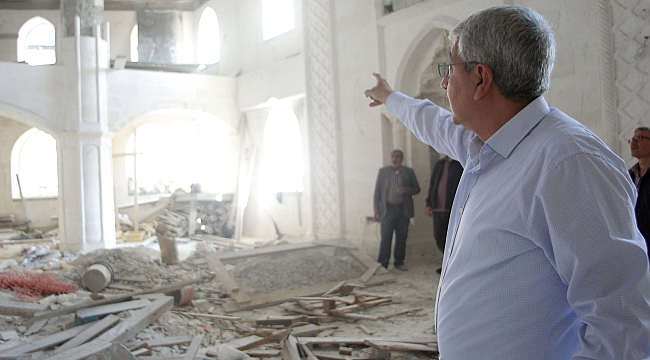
{"points": [[415, 288]]}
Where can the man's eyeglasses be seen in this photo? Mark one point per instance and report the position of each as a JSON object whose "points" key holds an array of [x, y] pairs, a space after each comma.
{"points": [[444, 68], [638, 138]]}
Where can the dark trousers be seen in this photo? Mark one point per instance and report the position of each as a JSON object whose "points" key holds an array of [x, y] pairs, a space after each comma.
{"points": [[440, 225], [393, 221]]}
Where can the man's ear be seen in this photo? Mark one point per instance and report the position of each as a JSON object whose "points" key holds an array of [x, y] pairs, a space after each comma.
{"points": [[484, 80]]}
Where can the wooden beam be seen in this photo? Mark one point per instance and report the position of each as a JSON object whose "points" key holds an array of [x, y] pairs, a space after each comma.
{"points": [[45, 342], [191, 351], [15, 308], [83, 351], [248, 342], [91, 314], [111, 300], [94, 330], [369, 273], [224, 276], [168, 341], [397, 346], [138, 320]]}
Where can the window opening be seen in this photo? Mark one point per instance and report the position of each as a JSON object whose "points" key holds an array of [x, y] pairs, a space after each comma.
{"points": [[277, 17], [134, 44], [33, 158], [208, 38], [36, 42], [175, 154], [282, 157]]}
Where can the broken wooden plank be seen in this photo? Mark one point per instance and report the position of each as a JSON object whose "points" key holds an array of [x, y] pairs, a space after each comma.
{"points": [[335, 242], [263, 353], [289, 348], [287, 320], [357, 316], [15, 308], [369, 273], [360, 341], [36, 327], [213, 316], [83, 351], [305, 305], [94, 330], [168, 341], [191, 351], [224, 276], [335, 288], [45, 342], [139, 320], [112, 300], [311, 330], [91, 314], [348, 308], [365, 329], [398, 346], [400, 312], [141, 352], [248, 342]]}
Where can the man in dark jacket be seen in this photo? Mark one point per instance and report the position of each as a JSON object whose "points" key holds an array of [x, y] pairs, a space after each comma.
{"points": [[442, 189], [640, 149], [393, 204]]}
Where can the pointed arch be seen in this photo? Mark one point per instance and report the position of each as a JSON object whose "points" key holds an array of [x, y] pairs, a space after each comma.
{"points": [[208, 38], [282, 168], [34, 160], [134, 43], [36, 42]]}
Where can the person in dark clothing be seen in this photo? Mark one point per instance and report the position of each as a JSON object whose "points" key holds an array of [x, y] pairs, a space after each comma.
{"points": [[442, 189], [393, 205], [640, 149]]}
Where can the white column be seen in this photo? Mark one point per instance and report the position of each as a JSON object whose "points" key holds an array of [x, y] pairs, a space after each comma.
{"points": [[86, 201]]}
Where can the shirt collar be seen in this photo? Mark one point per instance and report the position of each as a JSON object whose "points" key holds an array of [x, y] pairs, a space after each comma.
{"points": [[506, 139]]}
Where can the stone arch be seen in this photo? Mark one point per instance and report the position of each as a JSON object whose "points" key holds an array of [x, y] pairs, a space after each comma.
{"points": [[27, 117], [162, 106]]}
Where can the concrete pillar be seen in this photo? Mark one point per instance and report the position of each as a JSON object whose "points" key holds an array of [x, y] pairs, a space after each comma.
{"points": [[86, 200]]}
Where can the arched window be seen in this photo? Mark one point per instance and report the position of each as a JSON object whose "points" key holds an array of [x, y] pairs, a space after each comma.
{"points": [[33, 158], [134, 44], [282, 156], [277, 17], [208, 38], [36, 40]]}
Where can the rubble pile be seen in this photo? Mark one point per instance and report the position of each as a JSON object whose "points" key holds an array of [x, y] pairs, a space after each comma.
{"points": [[150, 310]]}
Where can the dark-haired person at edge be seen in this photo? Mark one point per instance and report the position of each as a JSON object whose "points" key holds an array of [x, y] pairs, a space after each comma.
{"points": [[543, 257], [442, 188], [640, 149]]}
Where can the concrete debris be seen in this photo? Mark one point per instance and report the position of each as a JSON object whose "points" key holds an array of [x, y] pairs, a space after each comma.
{"points": [[191, 321]]}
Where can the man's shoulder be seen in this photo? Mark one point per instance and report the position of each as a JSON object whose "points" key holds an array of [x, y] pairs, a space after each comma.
{"points": [[562, 135]]}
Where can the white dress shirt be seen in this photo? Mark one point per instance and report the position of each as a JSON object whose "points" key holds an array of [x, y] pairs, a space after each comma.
{"points": [[543, 257]]}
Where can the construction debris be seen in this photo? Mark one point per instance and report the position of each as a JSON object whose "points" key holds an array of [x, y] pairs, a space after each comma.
{"points": [[180, 311]]}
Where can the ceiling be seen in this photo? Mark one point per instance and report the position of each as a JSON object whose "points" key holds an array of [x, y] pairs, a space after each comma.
{"points": [[109, 5]]}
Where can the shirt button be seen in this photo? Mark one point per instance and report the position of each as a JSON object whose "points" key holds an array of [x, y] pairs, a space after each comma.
{"points": [[461, 210]]}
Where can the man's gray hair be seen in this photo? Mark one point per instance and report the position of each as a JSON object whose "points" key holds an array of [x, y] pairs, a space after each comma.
{"points": [[397, 151], [644, 128], [515, 42]]}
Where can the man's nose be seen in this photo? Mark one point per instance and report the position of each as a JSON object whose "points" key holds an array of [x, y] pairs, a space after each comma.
{"points": [[444, 82]]}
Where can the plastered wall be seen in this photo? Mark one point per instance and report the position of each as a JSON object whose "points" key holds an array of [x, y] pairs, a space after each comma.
{"points": [[598, 79]]}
